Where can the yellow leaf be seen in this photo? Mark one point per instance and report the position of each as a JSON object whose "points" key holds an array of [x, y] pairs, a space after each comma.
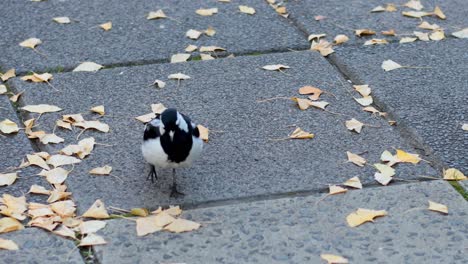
{"points": [[210, 31], [8, 75], [191, 48], [303, 104], [375, 42], [364, 32], [55, 176], [147, 225], [356, 159], [30, 43], [88, 66], [38, 161], [46, 223], [38, 78], [64, 231], [390, 65], [407, 40], [323, 46], [403, 156], [390, 8], [383, 179], [15, 97], [72, 118], [41, 108], [353, 182], [437, 35], [139, 212], [320, 105], [334, 189], [414, 4], [339, 39], [421, 35], [193, 34], [438, 12], [334, 259], [60, 160], [62, 20], [275, 67], [99, 109], [182, 225], [50, 138], [247, 9], [206, 56], [314, 91], [390, 32], [433, 206], [211, 49], [106, 26], [156, 14], [146, 118], [427, 25], [36, 189], [459, 34], [416, 14], [361, 216], [92, 240], [301, 134], [365, 101], [158, 108], [7, 126], [97, 210], [3, 89], [8, 224], [8, 244], [106, 170], [64, 208], [207, 12], [173, 211], [388, 157], [378, 9], [364, 89], [355, 125], [204, 132], [385, 169], [92, 226], [94, 124], [453, 174], [180, 57]]}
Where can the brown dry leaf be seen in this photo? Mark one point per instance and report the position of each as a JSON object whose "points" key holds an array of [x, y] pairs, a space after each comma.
{"points": [[92, 240], [403, 156], [364, 32], [178, 76], [3, 89], [37, 189], [275, 67], [459, 34], [106, 26], [334, 259], [427, 25], [193, 34], [354, 124], [146, 225], [375, 42], [88, 66], [94, 124], [416, 14], [7, 127], [160, 84], [38, 78], [298, 133], [38, 161], [62, 20], [207, 11], [98, 109], [303, 104], [92, 226], [72, 118], [340, 39], [60, 160], [182, 225], [437, 35], [281, 10], [353, 182], [206, 56], [421, 35], [97, 210], [105, 170], [8, 75], [8, 244], [356, 159], [314, 91], [247, 9], [441, 208], [453, 174], [191, 48], [30, 43], [8, 178], [334, 189], [438, 12], [390, 32], [389, 65], [382, 178], [64, 231], [15, 97], [8, 224], [315, 36], [204, 132], [211, 49], [158, 108], [365, 101], [323, 46], [64, 208], [146, 118], [173, 211], [156, 15], [407, 40], [210, 31], [385, 170], [55, 176], [364, 89], [50, 138], [360, 216], [180, 57], [13, 206], [41, 108]]}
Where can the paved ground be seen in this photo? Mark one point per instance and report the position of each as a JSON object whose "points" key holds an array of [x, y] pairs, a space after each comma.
{"points": [[259, 200]]}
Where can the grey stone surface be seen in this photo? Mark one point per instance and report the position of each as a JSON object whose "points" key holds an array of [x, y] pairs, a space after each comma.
{"points": [[431, 102], [345, 17], [133, 38], [240, 160], [298, 230], [14, 148], [36, 246]]}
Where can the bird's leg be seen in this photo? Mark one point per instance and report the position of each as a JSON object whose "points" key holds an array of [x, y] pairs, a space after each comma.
{"points": [[152, 174], [174, 191]]}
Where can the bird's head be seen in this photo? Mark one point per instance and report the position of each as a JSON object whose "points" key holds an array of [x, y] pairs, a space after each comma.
{"points": [[173, 120]]}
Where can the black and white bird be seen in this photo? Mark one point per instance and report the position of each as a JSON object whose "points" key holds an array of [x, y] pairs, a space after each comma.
{"points": [[171, 141]]}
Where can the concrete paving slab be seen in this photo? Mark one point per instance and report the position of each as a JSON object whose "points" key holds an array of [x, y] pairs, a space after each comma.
{"points": [[133, 39], [240, 160], [298, 230], [37, 246], [345, 17], [431, 102]]}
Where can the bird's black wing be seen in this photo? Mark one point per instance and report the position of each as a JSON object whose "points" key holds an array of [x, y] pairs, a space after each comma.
{"points": [[193, 129], [152, 130]]}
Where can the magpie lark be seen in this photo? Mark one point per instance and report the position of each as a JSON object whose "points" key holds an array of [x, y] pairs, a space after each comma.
{"points": [[171, 140]]}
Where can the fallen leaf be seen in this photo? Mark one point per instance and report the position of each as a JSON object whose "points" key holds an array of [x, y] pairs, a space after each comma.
{"points": [[378, 9], [204, 132], [416, 14], [56, 195], [92, 240], [191, 48], [375, 42], [403, 156], [106, 26], [340, 39], [298, 133], [42, 211], [275, 67], [441, 208], [30, 43], [438, 12], [37, 189], [7, 126], [303, 104], [106, 170], [247, 9], [3, 89], [353, 182], [315, 36], [51, 138], [422, 36], [193, 34], [414, 4], [38, 78], [355, 125], [314, 91], [318, 18], [382, 178], [373, 110], [388, 157], [97, 210], [334, 259], [391, 8], [437, 35], [8, 178], [46, 223], [407, 40], [8, 224], [365, 101], [94, 124], [210, 31], [385, 170], [334, 189], [211, 49], [453, 174], [158, 108], [64, 208], [8, 75], [364, 89], [15, 97], [62, 20], [390, 65], [64, 231], [323, 46], [173, 211], [178, 76], [38, 161], [159, 84], [360, 216], [55, 176], [180, 57], [364, 32], [427, 25], [13, 206], [139, 212], [320, 105], [156, 15], [147, 225], [146, 118], [73, 118], [60, 160], [92, 226], [207, 11], [41, 108], [8, 244], [206, 56], [88, 66], [182, 225], [356, 159], [459, 34]]}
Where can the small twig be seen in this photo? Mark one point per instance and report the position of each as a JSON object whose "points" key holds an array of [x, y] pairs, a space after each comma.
{"points": [[118, 209], [40, 53], [414, 209]]}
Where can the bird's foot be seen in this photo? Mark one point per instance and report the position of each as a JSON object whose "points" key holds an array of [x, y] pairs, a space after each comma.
{"points": [[152, 174], [175, 193]]}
